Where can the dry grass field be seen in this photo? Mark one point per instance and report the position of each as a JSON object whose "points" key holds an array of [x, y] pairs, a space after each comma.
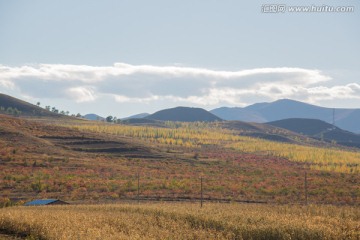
{"points": [[182, 221]]}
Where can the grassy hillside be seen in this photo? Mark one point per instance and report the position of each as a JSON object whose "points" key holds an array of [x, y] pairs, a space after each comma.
{"points": [[90, 161], [23, 107], [15, 107], [319, 130], [268, 132], [182, 221], [302, 125]]}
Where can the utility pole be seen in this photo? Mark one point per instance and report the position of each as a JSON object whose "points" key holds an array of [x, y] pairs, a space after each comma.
{"points": [[201, 187], [306, 189], [138, 187], [333, 117]]}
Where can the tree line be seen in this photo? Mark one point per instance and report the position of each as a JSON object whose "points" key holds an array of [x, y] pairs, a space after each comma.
{"points": [[10, 111]]}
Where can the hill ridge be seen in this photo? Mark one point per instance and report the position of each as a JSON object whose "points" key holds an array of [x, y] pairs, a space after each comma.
{"points": [[25, 108], [320, 130], [184, 114], [345, 118]]}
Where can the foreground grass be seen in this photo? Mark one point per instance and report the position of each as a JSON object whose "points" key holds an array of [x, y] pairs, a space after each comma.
{"points": [[182, 221]]}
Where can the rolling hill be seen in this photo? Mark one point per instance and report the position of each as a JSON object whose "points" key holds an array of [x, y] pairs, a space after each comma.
{"points": [[140, 115], [184, 114], [94, 117], [270, 132], [320, 130], [346, 119], [26, 108]]}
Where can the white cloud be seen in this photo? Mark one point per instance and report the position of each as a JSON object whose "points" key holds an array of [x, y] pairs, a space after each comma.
{"points": [[125, 99], [127, 83], [6, 84], [81, 94], [90, 74], [312, 76], [349, 91]]}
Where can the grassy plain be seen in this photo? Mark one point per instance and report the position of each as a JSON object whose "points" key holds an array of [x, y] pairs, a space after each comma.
{"points": [[182, 221]]}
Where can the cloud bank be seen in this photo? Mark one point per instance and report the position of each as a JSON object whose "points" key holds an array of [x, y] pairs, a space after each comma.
{"points": [[126, 83]]}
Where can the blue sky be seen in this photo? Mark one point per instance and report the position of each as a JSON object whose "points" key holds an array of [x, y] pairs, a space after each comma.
{"points": [[125, 57]]}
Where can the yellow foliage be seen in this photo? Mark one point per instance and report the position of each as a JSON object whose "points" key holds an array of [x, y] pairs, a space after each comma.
{"points": [[194, 135]]}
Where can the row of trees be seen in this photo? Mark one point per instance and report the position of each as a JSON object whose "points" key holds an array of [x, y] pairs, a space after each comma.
{"points": [[55, 110], [16, 112], [112, 119], [10, 111]]}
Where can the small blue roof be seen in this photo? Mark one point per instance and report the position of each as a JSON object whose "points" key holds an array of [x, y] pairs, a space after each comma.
{"points": [[40, 202]]}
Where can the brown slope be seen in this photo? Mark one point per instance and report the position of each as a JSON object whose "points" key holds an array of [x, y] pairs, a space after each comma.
{"points": [[39, 137], [269, 132], [26, 109]]}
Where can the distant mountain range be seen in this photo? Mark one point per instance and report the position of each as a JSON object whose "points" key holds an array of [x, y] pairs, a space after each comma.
{"points": [[298, 117], [319, 130], [347, 119], [289, 129], [184, 114]]}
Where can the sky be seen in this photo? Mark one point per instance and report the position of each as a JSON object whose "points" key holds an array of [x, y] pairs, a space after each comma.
{"points": [[123, 57]]}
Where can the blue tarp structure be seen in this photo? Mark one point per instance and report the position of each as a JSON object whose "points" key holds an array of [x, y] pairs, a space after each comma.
{"points": [[39, 202]]}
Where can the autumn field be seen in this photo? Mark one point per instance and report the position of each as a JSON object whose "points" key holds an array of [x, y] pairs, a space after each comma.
{"points": [[190, 135], [179, 120], [78, 160], [182, 221], [120, 179]]}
